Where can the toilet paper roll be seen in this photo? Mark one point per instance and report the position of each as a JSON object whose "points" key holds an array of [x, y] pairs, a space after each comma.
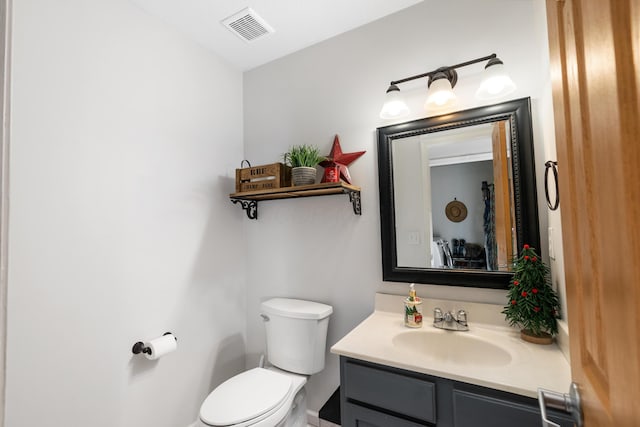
{"points": [[161, 346]]}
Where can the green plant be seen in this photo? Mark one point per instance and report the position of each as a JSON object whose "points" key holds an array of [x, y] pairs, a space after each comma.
{"points": [[533, 304], [303, 155]]}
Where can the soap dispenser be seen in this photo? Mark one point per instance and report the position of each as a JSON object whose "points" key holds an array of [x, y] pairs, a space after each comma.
{"points": [[412, 309]]}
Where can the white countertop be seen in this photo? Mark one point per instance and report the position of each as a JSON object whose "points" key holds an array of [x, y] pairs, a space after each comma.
{"points": [[531, 365]]}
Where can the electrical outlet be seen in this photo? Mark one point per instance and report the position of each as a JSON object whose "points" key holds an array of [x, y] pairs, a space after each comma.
{"points": [[552, 252], [413, 238]]}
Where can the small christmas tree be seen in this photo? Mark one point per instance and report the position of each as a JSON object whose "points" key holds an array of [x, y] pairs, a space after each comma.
{"points": [[533, 304]]}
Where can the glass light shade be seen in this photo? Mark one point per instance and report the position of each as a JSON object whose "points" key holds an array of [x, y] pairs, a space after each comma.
{"points": [[495, 83], [394, 105], [440, 94]]}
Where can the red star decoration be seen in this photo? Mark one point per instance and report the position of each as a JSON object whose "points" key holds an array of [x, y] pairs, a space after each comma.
{"points": [[340, 159]]}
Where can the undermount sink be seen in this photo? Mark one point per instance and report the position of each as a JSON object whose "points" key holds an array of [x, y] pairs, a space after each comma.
{"points": [[460, 348]]}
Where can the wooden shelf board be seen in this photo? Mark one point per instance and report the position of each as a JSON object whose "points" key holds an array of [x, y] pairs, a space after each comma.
{"points": [[321, 189]]}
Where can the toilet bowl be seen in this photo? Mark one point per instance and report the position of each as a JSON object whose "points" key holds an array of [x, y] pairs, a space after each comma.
{"points": [[296, 332], [258, 397]]}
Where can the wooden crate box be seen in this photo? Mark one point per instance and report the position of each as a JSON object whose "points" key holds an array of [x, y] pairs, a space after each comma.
{"points": [[264, 177]]}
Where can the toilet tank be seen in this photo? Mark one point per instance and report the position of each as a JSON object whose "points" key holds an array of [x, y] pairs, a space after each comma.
{"points": [[296, 333]]}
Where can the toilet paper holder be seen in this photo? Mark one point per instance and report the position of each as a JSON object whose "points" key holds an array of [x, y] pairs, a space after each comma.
{"points": [[139, 347]]}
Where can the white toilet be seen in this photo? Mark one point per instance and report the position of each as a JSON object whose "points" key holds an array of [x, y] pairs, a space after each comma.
{"points": [[296, 332]]}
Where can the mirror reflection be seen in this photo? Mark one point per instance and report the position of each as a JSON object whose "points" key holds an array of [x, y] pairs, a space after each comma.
{"points": [[465, 216], [458, 196]]}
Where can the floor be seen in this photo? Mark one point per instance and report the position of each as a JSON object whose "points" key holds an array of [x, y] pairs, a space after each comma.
{"points": [[314, 421]]}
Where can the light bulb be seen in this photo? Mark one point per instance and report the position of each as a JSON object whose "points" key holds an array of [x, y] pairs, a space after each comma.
{"points": [[496, 82], [394, 105], [440, 94]]}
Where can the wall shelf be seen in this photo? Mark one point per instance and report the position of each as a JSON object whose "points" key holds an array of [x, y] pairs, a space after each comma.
{"points": [[248, 200]]}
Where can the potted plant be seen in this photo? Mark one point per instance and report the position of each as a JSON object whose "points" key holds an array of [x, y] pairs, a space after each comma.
{"points": [[303, 160], [532, 302]]}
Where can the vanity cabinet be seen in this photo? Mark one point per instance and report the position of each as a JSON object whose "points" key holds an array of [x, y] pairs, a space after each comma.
{"points": [[375, 395]]}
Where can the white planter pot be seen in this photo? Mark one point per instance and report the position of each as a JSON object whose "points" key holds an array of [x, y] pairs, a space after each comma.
{"points": [[303, 175]]}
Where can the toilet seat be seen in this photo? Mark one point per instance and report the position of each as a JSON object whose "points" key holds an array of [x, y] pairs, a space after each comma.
{"points": [[261, 391]]}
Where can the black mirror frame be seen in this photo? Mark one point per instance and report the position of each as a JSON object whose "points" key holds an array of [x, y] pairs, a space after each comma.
{"points": [[518, 113]]}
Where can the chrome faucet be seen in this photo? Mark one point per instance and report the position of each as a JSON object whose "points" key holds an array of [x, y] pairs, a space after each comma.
{"points": [[449, 320]]}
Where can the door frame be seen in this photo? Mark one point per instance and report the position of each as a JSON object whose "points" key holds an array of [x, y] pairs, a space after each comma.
{"points": [[5, 103]]}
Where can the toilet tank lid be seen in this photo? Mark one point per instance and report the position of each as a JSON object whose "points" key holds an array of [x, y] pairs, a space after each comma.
{"points": [[296, 308]]}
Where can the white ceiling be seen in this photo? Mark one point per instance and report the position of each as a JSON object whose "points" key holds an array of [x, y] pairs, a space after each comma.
{"points": [[297, 23]]}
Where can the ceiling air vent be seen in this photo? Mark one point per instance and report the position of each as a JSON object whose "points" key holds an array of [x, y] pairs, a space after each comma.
{"points": [[247, 25]]}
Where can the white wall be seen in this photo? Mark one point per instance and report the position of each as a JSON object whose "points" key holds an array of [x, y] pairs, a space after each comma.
{"points": [[463, 182], [124, 140], [553, 229], [413, 204], [316, 248]]}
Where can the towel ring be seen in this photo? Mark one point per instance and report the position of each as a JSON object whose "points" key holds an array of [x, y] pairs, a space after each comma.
{"points": [[554, 167]]}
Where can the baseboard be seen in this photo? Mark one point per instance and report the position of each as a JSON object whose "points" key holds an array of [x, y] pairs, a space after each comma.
{"points": [[312, 418]]}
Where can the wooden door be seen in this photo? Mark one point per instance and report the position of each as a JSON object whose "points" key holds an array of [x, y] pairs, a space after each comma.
{"points": [[595, 62], [502, 187]]}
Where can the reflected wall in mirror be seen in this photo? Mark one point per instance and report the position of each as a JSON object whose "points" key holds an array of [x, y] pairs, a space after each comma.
{"points": [[469, 166], [482, 158]]}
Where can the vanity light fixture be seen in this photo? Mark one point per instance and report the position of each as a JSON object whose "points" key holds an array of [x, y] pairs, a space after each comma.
{"points": [[495, 83]]}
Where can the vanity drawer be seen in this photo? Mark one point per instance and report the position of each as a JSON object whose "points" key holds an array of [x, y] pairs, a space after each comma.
{"points": [[475, 410], [364, 417], [403, 394]]}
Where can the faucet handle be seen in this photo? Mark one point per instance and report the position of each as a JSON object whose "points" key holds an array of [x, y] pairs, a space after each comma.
{"points": [[437, 315], [462, 317]]}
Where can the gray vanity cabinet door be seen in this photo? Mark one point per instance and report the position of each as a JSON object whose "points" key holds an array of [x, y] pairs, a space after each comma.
{"points": [[403, 394], [474, 410], [358, 416]]}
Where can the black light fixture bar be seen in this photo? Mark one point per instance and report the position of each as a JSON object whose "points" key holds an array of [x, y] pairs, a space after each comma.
{"points": [[443, 69]]}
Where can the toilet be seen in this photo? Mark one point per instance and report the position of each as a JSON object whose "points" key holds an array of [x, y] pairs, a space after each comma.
{"points": [[296, 333]]}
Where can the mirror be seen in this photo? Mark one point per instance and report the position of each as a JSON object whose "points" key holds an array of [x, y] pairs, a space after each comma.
{"points": [[458, 196]]}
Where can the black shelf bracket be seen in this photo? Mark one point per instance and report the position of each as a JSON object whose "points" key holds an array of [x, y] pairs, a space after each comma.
{"points": [[354, 197], [249, 206]]}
